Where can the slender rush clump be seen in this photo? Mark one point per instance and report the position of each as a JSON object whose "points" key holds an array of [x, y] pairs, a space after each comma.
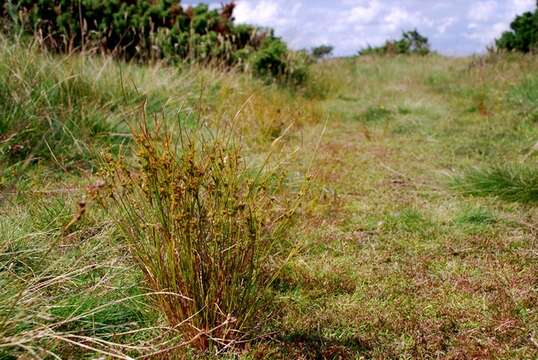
{"points": [[203, 227]]}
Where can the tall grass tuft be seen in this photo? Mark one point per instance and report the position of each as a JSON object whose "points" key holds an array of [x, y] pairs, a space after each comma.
{"points": [[204, 229], [58, 299], [525, 95], [516, 183]]}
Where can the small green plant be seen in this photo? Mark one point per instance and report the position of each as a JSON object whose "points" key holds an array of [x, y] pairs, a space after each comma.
{"points": [[404, 110], [476, 216], [518, 183], [204, 229], [475, 220], [375, 114]]}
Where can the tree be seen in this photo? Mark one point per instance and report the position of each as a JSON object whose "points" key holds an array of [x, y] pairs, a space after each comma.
{"points": [[523, 35], [319, 52], [415, 43]]}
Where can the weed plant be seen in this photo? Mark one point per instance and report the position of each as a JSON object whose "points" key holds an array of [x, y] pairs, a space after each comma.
{"points": [[204, 229]]}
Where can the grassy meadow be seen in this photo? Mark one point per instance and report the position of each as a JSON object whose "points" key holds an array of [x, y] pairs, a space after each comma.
{"points": [[414, 233]]}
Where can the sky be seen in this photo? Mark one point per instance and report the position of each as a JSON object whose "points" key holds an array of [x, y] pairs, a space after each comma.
{"points": [[454, 27]]}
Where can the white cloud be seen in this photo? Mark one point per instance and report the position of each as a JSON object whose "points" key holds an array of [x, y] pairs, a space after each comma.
{"points": [[263, 12], [490, 19], [445, 24], [486, 36], [396, 18], [482, 11], [453, 26], [364, 14], [520, 6]]}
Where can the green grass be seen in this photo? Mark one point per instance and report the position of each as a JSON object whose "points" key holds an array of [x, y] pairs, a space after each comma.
{"points": [[375, 114], [517, 183], [392, 260], [525, 94], [476, 216], [54, 111], [60, 289]]}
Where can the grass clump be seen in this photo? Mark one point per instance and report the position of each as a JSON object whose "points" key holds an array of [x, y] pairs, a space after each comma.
{"points": [[517, 183], [375, 114], [52, 111], [525, 95], [475, 220], [204, 230], [66, 293], [476, 216], [408, 220]]}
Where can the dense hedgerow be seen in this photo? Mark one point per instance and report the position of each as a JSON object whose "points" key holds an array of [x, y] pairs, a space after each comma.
{"points": [[147, 30], [412, 42], [523, 35]]}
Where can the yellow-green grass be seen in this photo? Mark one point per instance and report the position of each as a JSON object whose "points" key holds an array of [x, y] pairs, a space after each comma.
{"points": [[394, 261]]}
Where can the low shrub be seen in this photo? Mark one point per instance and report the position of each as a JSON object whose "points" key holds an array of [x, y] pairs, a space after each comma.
{"points": [[412, 42], [275, 61], [517, 183], [148, 30], [204, 229], [270, 60], [322, 51]]}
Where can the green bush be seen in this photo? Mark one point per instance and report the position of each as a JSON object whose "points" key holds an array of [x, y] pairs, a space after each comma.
{"points": [[523, 35], [146, 30], [412, 42], [275, 61], [129, 29], [270, 60], [322, 51]]}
